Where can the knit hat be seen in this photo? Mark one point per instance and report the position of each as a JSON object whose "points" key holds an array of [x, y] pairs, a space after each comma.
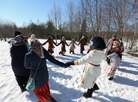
{"points": [[37, 48], [98, 42], [17, 33], [114, 35]]}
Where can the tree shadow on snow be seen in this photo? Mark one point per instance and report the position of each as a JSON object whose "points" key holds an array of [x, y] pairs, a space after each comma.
{"points": [[64, 94], [69, 57], [126, 81], [128, 71], [129, 64], [110, 98], [31, 96], [57, 74]]}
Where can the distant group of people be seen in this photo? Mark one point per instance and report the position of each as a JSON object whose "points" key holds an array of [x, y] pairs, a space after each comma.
{"points": [[26, 56], [63, 43]]}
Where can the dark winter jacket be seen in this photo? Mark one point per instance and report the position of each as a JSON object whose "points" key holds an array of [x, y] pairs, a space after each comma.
{"points": [[18, 52], [82, 42], [32, 61]]}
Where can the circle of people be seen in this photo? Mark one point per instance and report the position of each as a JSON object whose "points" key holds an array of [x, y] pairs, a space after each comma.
{"points": [[25, 58]]}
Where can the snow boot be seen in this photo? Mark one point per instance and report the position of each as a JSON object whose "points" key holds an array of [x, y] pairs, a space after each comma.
{"points": [[52, 100], [88, 94], [111, 78], [73, 52], [96, 87]]}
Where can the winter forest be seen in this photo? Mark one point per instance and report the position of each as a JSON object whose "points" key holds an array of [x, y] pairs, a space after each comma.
{"points": [[88, 18]]}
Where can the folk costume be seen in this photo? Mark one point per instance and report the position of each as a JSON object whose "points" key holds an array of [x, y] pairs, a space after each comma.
{"points": [[72, 47], [82, 42], [114, 58], [51, 44], [92, 68], [63, 47]]}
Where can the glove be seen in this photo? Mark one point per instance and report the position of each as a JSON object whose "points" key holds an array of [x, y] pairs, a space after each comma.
{"points": [[70, 63]]}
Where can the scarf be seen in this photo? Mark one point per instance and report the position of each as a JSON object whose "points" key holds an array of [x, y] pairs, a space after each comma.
{"points": [[17, 39], [37, 48]]}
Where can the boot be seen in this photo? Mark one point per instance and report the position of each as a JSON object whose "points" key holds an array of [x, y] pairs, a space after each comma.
{"points": [[73, 52], [96, 87], [89, 93], [111, 78], [59, 53], [52, 100]]}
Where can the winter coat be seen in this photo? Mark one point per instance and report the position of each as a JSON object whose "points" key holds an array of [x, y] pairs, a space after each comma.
{"points": [[32, 61], [72, 47], [109, 42], [122, 46], [82, 42], [63, 43], [50, 43], [18, 52], [114, 60], [91, 72]]}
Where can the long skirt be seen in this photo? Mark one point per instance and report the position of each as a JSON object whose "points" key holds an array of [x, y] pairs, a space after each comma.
{"points": [[50, 51], [43, 93]]}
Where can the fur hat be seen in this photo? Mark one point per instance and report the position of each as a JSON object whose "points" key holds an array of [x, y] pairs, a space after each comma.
{"points": [[16, 33], [98, 43]]}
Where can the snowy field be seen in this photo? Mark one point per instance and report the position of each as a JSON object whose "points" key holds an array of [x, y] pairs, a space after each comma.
{"points": [[64, 82]]}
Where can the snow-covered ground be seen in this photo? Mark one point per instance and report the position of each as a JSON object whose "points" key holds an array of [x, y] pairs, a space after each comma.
{"points": [[64, 82]]}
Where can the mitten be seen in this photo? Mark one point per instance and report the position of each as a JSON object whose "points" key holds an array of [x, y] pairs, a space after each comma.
{"points": [[70, 63]]}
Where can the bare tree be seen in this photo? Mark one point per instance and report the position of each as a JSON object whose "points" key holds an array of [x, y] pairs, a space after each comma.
{"points": [[121, 13], [93, 13], [70, 15], [56, 18]]}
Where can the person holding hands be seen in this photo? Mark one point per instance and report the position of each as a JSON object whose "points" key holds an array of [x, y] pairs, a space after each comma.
{"points": [[92, 68]]}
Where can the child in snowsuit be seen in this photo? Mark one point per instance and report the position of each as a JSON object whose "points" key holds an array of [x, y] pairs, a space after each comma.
{"points": [[114, 58], [50, 44], [36, 55], [63, 48], [72, 47], [92, 68]]}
